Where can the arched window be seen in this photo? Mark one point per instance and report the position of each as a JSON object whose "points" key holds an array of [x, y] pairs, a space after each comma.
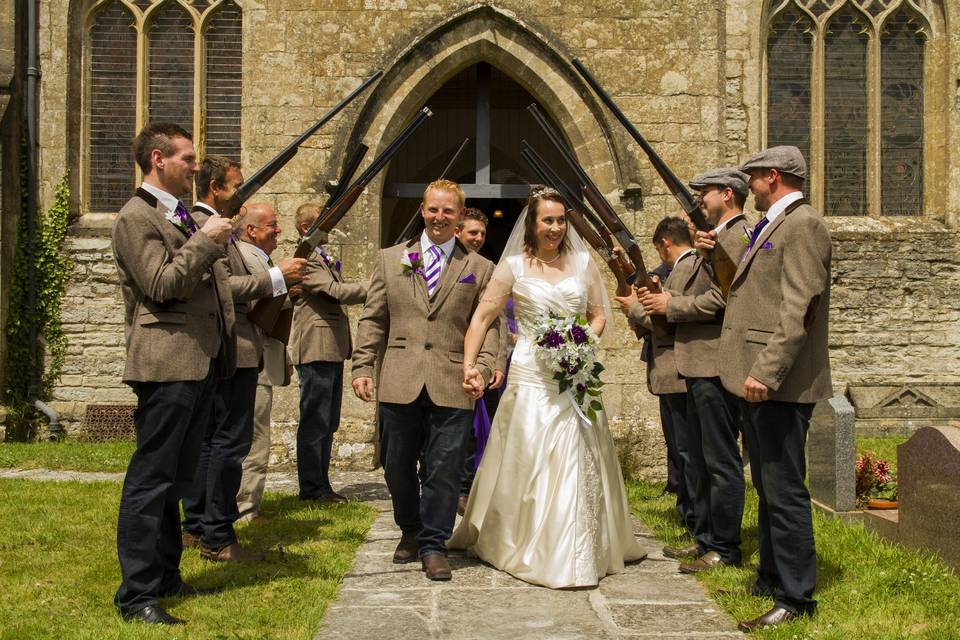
{"points": [[150, 60], [845, 82]]}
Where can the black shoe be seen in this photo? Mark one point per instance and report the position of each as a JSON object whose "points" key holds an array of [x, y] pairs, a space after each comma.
{"points": [[151, 614], [188, 591], [775, 617]]}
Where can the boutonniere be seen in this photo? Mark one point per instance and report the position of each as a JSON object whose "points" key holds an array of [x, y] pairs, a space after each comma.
{"points": [[412, 263], [745, 238], [177, 220], [330, 261], [470, 278]]}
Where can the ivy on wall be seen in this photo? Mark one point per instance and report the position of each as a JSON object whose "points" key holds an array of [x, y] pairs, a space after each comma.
{"points": [[28, 362]]}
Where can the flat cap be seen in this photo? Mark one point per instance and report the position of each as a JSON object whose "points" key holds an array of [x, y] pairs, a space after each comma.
{"points": [[784, 159], [722, 177]]}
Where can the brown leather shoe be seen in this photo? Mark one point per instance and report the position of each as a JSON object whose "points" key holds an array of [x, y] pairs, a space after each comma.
{"points": [[188, 540], [462, 504], [436, 566], [230, 553], [772, 618], [709, 560], [689, 551], [406, 550]]}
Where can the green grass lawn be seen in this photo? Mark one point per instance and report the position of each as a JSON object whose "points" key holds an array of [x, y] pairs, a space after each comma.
{"points": [[866, 587], [58, 563], [67, 455]]}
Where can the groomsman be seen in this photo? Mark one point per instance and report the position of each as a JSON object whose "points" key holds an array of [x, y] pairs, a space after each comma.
{"points": [[256, 232], [472, 232], [178, 322], [319, 343], [671, 239], [422, 296], [774, 351], [210, 507], [713, 414]]}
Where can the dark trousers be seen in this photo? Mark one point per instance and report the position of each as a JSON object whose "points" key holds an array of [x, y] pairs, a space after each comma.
{"points": [[470, 463], [321, 394], [776, 435], [210, 507], [170, 419], [440, 432], [673, 417], [713, 416], [673, 461]]}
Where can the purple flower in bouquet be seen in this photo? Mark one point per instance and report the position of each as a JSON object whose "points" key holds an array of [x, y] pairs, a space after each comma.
{"points": [[578, 334], [553, 339]]}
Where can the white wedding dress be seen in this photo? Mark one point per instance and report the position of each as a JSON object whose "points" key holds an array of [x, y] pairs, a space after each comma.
{"points": [[548, 503]]}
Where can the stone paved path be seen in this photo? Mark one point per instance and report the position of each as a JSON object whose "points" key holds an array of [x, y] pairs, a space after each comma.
{"points": [[382, 600]]}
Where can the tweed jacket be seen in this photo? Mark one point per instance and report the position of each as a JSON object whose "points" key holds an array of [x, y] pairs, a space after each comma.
{"points": [[245, 287], [662, 374], [321, 329], [421, 339], [178, 313], [274, 371], [776, 322], [698, 311]]}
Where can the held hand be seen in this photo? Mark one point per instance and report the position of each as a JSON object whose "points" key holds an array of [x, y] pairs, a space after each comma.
{"points": [[295, 291], [655, 303], [292, 269], [497, 380], [754, 390], [473, 382], [217, 229], [705, 240], [363, 388]]}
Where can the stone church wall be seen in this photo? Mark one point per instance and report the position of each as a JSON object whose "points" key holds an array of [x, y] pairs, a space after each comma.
{"points": [[687, 74]]}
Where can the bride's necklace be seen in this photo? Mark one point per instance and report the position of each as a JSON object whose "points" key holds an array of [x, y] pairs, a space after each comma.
{"points": [[550, 261]]}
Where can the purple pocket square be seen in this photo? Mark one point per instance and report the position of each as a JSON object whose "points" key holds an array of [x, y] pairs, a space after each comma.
{"points": [[470, 278], [767, 245]]}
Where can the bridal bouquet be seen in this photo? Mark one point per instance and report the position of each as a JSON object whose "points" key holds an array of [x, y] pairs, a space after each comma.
{"points": [[568, 346]]}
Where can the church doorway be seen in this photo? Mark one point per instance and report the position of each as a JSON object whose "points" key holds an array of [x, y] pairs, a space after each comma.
{"points": [[487, 106]]}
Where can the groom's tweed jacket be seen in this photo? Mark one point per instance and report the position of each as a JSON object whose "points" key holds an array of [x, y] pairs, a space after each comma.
{"points": [[178, 312], [421, 340]]}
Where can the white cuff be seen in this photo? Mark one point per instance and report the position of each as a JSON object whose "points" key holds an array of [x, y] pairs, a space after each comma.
{"points": [[279, 286]]}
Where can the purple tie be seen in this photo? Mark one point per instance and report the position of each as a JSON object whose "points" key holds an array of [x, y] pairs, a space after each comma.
{"points": [[757, 229], [433, 271], [186, 219]]}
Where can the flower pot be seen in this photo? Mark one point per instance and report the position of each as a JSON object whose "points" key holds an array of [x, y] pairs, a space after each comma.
{"points": [[877, 503]]}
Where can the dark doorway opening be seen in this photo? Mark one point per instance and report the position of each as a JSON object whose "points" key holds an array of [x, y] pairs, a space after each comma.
{"points": [[486, 105]]}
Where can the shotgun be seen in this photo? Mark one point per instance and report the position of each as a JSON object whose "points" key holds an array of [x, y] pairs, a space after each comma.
{"points": [[724, 268], [281, 320], [607, 214], [252, 184], [414, 223], [268, 311]]}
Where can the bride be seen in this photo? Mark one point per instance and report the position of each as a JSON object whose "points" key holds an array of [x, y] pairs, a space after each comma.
{"points": [[548, 503]]}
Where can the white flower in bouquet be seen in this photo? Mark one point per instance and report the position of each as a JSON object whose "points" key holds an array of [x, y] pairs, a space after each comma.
{"points": [[568, 346]]}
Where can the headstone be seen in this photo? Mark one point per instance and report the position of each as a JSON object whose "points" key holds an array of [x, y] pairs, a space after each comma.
{"points": [[831, 454], [928, 483]]}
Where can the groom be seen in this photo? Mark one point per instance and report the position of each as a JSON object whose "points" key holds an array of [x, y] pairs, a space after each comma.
{"points": [[422, 295]]}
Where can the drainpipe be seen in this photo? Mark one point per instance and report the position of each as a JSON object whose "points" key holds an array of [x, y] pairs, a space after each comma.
{"points": [[32, 115], [55, 430]]}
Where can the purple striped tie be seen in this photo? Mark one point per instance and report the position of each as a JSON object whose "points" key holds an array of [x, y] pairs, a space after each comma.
{"points": [[433, 271]]}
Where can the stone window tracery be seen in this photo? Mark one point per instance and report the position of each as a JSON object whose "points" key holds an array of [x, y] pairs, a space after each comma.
{"points": [[846, 83], [151, 60]]}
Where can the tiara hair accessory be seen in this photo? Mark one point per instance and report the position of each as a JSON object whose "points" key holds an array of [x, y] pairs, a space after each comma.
{"points": [[540, 191]]}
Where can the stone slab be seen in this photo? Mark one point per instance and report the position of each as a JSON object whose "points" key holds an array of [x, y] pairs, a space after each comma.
{"points": [[831, 454], [928, 469]]}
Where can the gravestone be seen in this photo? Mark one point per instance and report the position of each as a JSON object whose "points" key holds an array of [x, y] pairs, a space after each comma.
{"points": [[928, 469], [831, 454]]}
